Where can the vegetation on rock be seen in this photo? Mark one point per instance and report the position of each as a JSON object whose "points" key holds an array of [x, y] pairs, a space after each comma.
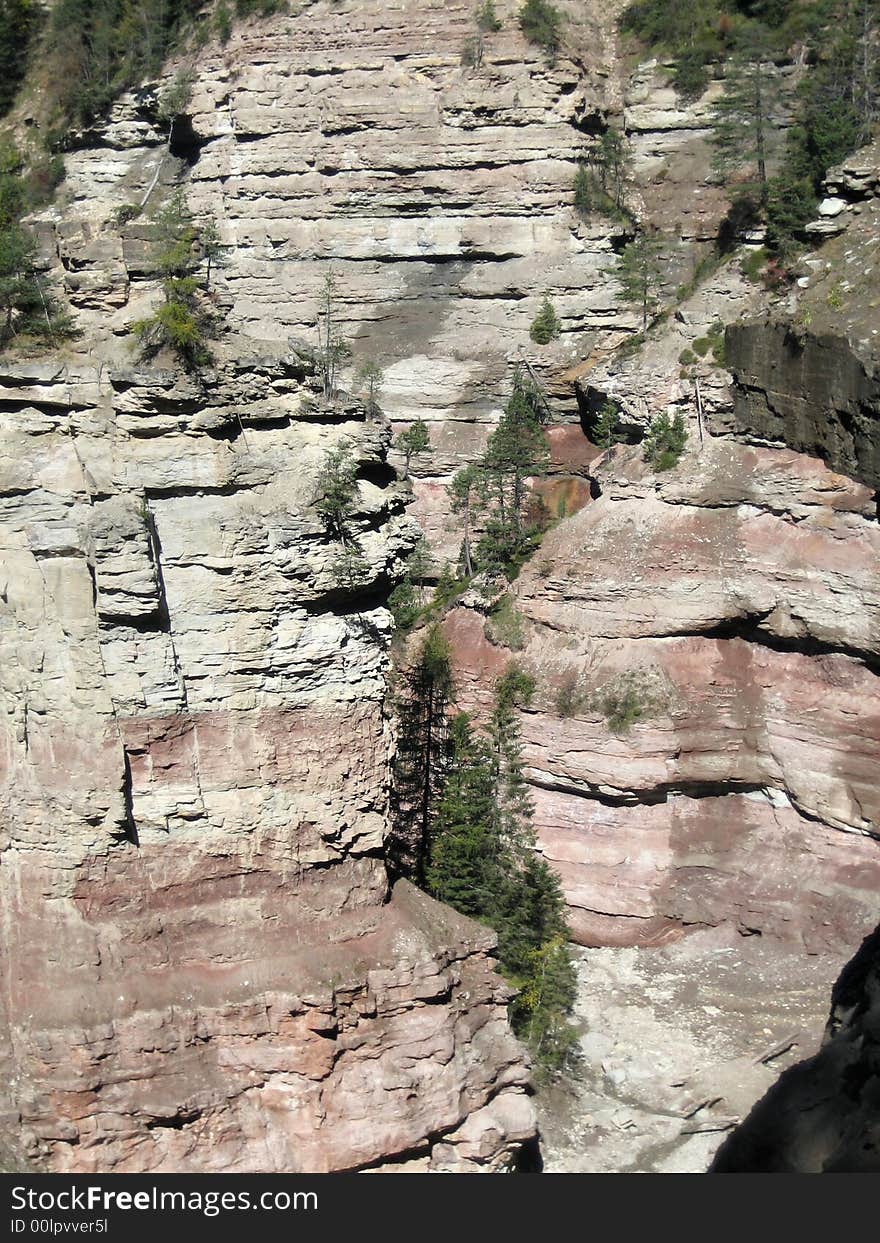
{"points": [[29, 312], [412, 442], [665, 441], [546, 325], [541, 23], [184, 319], [639, 274], [463, 829]]}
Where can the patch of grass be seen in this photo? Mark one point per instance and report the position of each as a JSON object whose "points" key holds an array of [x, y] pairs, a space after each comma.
{"points": [[504, 625], [631, 697]]}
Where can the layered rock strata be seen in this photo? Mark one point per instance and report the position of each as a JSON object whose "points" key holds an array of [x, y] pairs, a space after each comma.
{"points": [[704, 737]]}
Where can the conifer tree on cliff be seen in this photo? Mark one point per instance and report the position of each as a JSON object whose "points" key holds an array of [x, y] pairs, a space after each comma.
{"points": [[742, 119], [422, 704], [484, 863], [516, 449]]}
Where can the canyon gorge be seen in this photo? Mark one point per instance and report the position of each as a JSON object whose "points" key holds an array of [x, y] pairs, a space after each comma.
{"points": [[205, 965]]}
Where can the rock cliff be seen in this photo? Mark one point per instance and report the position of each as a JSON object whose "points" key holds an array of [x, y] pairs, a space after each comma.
{"points": [[202, 970], [821, 1116], [705, 641]]}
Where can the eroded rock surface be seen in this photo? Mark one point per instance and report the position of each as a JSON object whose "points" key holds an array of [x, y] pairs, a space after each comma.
{"points": [[742, 790], [822, 1115]]}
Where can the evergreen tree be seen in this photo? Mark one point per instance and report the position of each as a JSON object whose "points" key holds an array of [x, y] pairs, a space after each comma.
{"points": [[541, 23], [19, 21], [546, 325], [665, 441], [333, 350], [369, 379], [613, 164], [516, 449], [540, 1012], [464, 491], [639, 274], [466, 863], [422, 704], [487, 18], [605, 434], [742, 120], [411, 442], [27, 308], [513, 807], [336, 490], [182, 320]]}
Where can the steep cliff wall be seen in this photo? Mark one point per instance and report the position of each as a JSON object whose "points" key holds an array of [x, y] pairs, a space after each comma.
{"points": [[201, 969], [730, 606], [811, 379]]}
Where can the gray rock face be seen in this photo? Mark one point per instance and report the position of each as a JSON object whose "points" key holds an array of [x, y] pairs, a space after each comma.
{"points": [[823, 1115], [812, 392]]}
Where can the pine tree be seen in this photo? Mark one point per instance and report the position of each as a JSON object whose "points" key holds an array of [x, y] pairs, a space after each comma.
{"points": [[540, 1012], [513, 808], [411, 442], [369, 379], [463, 493], [465, 869], [605, 434], [665, 441], [19, 20], [182, 320], [516, 449], [546, 325], [639, 274], [541, 23], [336, 490], [742, 120], [333, 349], [613, 162], [422, 704]]}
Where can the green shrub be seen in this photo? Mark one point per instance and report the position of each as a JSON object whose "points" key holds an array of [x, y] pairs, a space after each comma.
{"points": [[702, 346], [541, 23], [665, 441], [687, 358], [404, 605], [504, 625], [753, 263], [628, 698]]}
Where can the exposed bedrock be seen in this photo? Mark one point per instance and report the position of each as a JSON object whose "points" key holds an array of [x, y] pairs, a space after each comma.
{"points": [[735, 601], [822, 1114], [811, 391], [806, 375], [201, 969]]}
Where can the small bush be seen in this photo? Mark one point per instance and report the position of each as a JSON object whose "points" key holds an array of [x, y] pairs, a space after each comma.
{"points": [[570, 696], [691, 75], [631, 697], [687, 358], [126, 213], [665, 441], [504, 626], [404, 605], [753, 264], [541, 23]]}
